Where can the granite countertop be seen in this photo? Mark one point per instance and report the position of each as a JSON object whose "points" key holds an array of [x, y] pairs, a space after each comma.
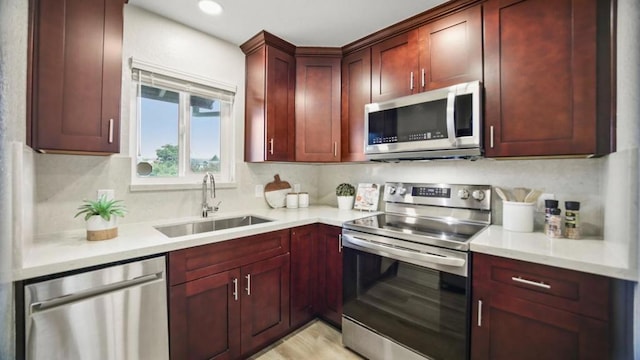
{"points": [[55, 253]]}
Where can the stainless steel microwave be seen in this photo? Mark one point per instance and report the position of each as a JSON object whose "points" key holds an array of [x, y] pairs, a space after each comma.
{"points": [[441, 123]]}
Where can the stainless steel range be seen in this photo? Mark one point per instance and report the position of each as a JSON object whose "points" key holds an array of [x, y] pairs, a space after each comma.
{"points": [[406, 272]]}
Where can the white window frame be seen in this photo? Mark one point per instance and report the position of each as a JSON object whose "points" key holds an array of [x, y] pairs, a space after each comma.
{"points": [[144, 73]]}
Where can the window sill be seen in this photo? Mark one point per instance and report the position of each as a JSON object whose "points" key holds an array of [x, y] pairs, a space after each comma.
{"points": [[174, 187]]}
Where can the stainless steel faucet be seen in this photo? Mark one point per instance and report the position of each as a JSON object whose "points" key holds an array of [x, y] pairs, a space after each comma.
{"points": [[206, 208]]}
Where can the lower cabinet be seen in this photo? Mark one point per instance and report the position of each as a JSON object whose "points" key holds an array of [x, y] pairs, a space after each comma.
{"points": [[239, 301], [205, 318], [330, 274], [304, 274], [228, 300], [316, 274], [530, 311], [264, 302]]}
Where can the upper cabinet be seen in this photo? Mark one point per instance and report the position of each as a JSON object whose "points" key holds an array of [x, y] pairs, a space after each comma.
{"points": [[451, 50], [75, 72], [356, 93], [269, 99], [547, 77], [443, 52], [318, 104], [394, 67]]}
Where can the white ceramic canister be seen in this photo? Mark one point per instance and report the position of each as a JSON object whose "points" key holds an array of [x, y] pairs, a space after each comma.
{"points": [[517, 216], [303, 199], [292, 200]]}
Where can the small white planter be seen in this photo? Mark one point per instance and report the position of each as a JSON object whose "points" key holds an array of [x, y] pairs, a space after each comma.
{"points": [[345, 202], [100, 229]]}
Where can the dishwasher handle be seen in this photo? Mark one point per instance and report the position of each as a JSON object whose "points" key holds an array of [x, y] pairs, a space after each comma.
{"points": [[66, 299], [407, 253]]}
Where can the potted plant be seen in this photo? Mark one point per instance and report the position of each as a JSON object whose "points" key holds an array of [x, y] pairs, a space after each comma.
{"points": [[345, 193], [100, 216]]}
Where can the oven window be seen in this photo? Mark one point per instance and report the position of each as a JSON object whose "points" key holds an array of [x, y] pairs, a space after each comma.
{"points": [[420, 308]]}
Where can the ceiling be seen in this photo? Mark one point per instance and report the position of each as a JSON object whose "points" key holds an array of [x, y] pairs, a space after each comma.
{"points": [[332, 23]]}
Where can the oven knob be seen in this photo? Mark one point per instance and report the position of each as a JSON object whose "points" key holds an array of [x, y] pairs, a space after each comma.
{"points": [[392, 190], [478, 195], [401, 191], [463, 194]]}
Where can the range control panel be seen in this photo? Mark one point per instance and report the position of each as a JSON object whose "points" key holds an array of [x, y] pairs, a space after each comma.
{"points": [[445, 195]]}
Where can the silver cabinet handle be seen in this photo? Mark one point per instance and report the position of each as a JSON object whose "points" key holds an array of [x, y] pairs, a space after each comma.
{"points": [[340, 243], [235, 289], [423, 78], [335, 149], [110, 131], [491, 136], [411, 82], [532, 283], [479, 313], [248, 284], [271, 146]]}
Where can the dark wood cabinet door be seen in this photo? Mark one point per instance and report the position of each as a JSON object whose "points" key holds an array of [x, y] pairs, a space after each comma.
{"points": [[512, 328], [330, 276], [356, 93], [270, 99], [280, 105], [264, 302], [204, 318], [394, 67], [451, 50], [540, 77], [76, 75], [317, 108], [304, 269]]}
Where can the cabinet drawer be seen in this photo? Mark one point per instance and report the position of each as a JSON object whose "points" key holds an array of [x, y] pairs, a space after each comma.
{"points": [[570, 290], [196, 262]]}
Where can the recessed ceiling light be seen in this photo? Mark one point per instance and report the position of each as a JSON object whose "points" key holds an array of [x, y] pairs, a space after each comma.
{"points": [[210, 7]]}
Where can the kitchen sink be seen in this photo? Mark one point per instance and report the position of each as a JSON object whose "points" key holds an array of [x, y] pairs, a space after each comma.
{"points": [[198, 227]]}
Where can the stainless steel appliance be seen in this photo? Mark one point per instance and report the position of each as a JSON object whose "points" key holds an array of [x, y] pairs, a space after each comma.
{"points": [[118, 312], [442, 123], [406, 272]]}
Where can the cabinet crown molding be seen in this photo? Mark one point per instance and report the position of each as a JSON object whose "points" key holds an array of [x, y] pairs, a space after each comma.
{"points": [[267, 38]]}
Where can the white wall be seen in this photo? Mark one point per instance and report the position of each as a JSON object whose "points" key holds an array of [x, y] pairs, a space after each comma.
{"points": [[624, 168], [13, 39]]}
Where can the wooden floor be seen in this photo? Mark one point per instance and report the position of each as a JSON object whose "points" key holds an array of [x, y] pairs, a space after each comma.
{"points": [[316, 340]]}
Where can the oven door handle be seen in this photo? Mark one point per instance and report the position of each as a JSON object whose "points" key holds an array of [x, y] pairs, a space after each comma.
{"points": [[436, 259]]}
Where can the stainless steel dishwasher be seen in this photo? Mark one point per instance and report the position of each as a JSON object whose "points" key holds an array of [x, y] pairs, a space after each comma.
{"points": [[118, 312]]}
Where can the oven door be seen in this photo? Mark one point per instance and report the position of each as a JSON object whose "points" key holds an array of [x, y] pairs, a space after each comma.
{"points": [[391, 295]]}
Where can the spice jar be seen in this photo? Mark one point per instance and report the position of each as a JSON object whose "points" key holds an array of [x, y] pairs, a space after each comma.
{"points": [[554, 226], [572, 220], [548, 206]]}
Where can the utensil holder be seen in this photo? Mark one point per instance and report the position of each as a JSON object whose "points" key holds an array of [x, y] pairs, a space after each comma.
{"points": [[517, 216]]}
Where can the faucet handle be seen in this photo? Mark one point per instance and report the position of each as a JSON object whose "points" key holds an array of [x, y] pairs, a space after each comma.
{"points": [[216, 207]]}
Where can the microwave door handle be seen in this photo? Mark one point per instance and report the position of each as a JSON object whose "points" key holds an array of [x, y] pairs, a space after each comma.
{"points": [[451, 126], [434, 259]]}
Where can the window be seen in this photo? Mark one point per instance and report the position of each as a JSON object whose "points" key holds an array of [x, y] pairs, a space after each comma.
{"points": [[184, 128]]}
